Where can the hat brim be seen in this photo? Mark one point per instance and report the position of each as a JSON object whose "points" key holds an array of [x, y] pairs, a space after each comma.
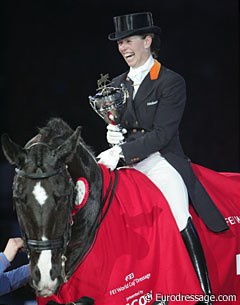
{"points": [[125, 34]]}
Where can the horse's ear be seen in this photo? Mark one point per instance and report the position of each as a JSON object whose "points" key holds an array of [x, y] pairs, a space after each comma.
{"points": [[66, 150], [14, 153]]}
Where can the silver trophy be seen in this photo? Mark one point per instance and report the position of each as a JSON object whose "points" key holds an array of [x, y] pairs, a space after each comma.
{"points": [[109, 101]]}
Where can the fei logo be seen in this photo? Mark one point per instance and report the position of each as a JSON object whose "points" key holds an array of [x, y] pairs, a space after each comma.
{"points": [[143, 300], [129, 277]]}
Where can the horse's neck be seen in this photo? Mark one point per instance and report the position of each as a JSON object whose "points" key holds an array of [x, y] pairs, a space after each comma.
{"points": [[83, 164]]}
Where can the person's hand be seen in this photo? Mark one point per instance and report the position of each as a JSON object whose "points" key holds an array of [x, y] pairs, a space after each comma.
{"points": [[110, 157], [115, 134], [12, 247]]}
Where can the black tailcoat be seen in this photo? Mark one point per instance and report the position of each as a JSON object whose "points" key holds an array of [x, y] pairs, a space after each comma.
{"points": [[152, 120]]}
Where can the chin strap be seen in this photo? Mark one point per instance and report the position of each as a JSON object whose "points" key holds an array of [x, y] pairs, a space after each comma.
{"points": [[194, 247]]}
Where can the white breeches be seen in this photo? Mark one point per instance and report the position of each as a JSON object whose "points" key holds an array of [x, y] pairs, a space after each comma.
{"points": [[170, 183]]}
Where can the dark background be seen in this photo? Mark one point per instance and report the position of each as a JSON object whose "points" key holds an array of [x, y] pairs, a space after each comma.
{"points": [[53, 52]]}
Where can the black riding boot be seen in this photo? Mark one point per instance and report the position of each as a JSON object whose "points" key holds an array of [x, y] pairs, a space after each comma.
{"points": [[194, 247]]}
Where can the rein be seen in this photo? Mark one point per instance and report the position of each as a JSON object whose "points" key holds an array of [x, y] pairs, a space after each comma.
{"points": [[111, 196]]}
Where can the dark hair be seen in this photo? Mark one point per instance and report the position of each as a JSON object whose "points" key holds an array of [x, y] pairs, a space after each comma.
{"points": [[155, 45]]}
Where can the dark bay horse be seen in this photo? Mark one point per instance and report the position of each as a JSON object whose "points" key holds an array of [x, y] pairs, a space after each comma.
{"points": [[106, 247], [42, 188]]}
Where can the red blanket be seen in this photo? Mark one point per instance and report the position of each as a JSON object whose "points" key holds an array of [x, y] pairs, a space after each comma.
{"points": [[139, 255]]}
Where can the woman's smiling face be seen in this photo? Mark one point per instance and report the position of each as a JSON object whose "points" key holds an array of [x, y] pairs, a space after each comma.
{"points": [[135, 50]]}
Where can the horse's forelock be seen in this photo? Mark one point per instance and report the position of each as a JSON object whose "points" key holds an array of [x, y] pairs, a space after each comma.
{"points": [[55, 132]]}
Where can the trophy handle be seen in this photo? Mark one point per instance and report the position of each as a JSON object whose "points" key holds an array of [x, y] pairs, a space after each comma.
{"points": [[92, 102]]}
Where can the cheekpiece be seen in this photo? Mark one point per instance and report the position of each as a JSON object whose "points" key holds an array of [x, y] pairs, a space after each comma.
{"points": [[109, 100]]}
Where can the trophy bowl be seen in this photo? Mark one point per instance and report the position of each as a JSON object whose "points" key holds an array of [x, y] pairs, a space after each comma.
{"points": [[109, 101]]}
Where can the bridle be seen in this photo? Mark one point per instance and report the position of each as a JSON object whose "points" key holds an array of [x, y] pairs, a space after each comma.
{"points": [[38, 175], [60, 243], [40, 245]]}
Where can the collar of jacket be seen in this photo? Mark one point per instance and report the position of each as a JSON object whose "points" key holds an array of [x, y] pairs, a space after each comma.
{"points": [[154, 71]]}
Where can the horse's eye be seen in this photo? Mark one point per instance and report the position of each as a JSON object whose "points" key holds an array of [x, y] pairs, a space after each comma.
{"points": [[62, 198], [18, 201], [17, 196], [65, 197]]}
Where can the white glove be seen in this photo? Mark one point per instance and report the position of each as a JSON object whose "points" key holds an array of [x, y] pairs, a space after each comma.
{"points": [[110, 157], [115, 134]]}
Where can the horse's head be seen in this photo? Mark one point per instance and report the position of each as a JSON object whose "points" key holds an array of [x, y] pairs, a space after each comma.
{"points": [[43, 197]]}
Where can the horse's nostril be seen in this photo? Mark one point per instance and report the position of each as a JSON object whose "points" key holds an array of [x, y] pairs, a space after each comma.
{"points": [[56, 270]]}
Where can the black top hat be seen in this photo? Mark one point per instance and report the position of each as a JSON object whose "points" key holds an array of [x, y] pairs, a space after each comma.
{"points": [[133, 24]]}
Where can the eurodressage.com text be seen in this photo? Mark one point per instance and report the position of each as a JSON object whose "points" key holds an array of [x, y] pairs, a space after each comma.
{"points": [[163, 299], [195, 297]]}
